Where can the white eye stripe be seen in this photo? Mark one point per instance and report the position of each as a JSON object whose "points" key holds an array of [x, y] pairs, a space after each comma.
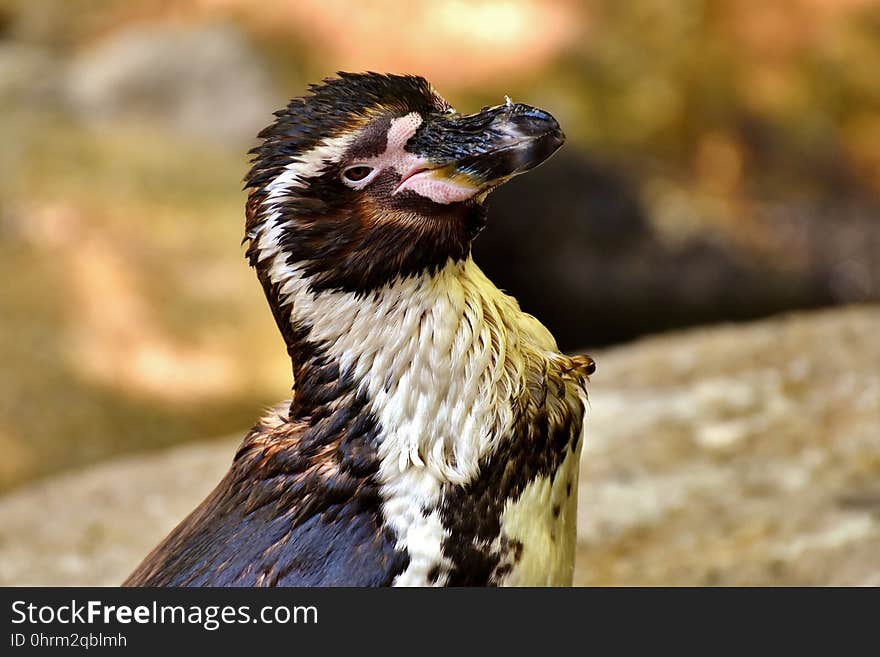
{"points": [[307, 165]]}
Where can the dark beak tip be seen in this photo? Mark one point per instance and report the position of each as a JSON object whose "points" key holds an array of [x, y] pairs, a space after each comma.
{"points": [[558, 138], [545, 146], [553, 138], [538, 124]]}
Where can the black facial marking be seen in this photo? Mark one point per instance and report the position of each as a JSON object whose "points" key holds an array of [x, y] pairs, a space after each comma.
{"points": [[373, 140], [356, 240], [344, 247]]}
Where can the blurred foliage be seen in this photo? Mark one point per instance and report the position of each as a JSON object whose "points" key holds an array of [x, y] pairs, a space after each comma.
{"points": [[129, 319]]}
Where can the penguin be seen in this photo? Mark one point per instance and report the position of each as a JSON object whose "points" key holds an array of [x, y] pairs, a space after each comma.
{"points": [[434, 432]]}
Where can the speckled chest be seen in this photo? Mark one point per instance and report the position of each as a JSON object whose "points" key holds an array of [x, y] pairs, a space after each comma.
{"points": [[473, 414], [515, 525]]}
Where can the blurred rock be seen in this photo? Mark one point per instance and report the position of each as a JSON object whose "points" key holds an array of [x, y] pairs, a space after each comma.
{"points": [[28, 74], [573, 242], [201, 81], [741, 455], [735, 455], [92, 527]]}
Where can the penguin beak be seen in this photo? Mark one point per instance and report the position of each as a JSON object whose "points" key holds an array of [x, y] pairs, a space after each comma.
{"points": [[472, 154]]}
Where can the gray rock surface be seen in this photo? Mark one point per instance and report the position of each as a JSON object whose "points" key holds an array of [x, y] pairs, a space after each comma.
{"points": [[203, 81], [739, 455], [742, 454], [93, 527]]}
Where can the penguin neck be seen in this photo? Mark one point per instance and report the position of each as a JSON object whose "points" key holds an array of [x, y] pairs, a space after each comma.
{"points": [[438, 359]]}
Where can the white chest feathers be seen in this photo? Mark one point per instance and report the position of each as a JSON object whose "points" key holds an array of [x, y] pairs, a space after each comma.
{"points": [[444, 359]]}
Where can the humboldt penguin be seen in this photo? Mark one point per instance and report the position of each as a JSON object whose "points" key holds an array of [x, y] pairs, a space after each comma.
{"points": [[434, 430]]}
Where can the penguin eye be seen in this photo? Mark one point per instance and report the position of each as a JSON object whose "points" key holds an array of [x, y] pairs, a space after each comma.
{"points": [[357, 173]]}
